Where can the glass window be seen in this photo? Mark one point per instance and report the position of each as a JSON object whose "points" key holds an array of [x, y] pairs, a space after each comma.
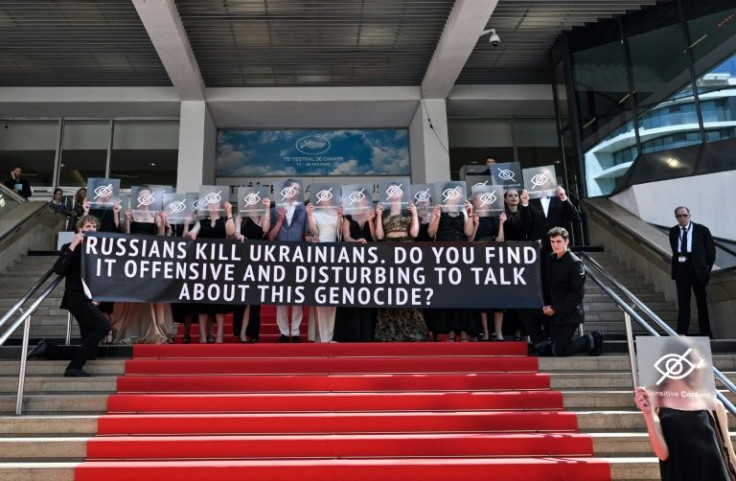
{"points": [[472, 140], [536, 141], [30, 145], [145, 152], [84, 152]]}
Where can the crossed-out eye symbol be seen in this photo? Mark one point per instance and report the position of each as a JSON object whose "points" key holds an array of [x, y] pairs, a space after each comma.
{"points": [[451, 194], [674, 366], [422, 196], [288, 192], [212, 198], [507, 174], [252, 198], [146, 199], [324, 195], [395, 191], [488, 198], [539, 179], [481, 184], [177, 206], [356, 196], [103, 191]]}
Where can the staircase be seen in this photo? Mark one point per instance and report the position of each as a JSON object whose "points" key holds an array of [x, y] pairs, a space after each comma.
{"points": [[330, 411]]}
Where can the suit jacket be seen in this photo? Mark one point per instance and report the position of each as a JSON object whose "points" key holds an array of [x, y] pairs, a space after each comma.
{"points": [[69, 264], [703, 254], [25, 190], [559, 214], [291, 231], [564, 287]]}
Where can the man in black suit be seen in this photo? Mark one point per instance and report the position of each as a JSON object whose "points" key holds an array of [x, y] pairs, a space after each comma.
{"points": [[93, 324], [547, 213], [693, 256], [18, 184]]}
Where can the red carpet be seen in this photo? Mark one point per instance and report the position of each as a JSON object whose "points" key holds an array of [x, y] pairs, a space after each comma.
{"points": [[427, 411]]}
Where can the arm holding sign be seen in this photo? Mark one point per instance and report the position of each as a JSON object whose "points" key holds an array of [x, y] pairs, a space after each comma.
{"points": [[468, 224], [229, 223], [274, 232], [434, 222], [501, 221], [379, 222], [656, 436], [414, 226], [265, 218]]}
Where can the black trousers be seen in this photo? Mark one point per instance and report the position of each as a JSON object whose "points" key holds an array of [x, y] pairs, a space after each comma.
{"points": [[562, 342], [355, 324], [93, 326], [535, 323], [254, 320], [686, 281]]}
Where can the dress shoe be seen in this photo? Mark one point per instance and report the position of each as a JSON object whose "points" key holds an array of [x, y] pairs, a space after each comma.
{"points": [[76, 373], [283, 338], [296, 339], [39, 350], [598, 338]]}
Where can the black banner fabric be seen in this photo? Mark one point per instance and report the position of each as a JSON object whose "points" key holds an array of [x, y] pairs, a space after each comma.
{"points": [[119, 267]]}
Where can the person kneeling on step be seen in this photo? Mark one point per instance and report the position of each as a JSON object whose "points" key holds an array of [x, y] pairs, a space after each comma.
{"points": [[93, 325], [564, 288]]}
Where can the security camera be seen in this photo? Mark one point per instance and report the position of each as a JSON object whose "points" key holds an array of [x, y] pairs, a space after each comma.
{"points": [[493, 39]]}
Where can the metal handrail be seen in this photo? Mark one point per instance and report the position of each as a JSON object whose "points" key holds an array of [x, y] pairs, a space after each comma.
{"points": [[630, 313], [26, 318], [18, 305]]}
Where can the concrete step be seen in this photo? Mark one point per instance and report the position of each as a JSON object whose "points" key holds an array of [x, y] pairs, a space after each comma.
{"points": [[610, 399], [59, 384], [48, 425], [634, 468], [59, 471], [36, 367], [613, 363], [72, 403], [48, 449]]}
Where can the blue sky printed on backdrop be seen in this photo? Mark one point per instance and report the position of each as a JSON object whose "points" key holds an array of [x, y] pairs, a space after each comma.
{"points": [[258, 153]]}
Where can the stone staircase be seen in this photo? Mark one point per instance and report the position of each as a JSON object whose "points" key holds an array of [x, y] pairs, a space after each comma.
{"points": [[601, 313], [61, 414]]}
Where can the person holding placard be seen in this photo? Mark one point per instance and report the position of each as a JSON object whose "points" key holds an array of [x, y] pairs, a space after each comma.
{"points": [[213, 226], [291, 224], [18, 184], [453, 222], [398, 225], [247, 318], [688, 433], [549, 212]]}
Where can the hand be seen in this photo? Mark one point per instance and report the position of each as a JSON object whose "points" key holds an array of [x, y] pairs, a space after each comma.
{"points": [[371, 214], [524, 197], [361, 241], [468, 207], [116, 207], [267, 202], [128, 214], [412, 210], [78, 239], [192, 235], [86, 206], [162, 216], [240, 237], [502, 217], [561, 193], [476, 220], [228, 209], [548, 311], [340, 210], [379, 210], [310, 210], [282, 214], [437, 212], [95, 303], [641, 398]]}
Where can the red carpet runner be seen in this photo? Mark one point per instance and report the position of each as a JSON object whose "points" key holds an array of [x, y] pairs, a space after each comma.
{"points": [[267, 412]]}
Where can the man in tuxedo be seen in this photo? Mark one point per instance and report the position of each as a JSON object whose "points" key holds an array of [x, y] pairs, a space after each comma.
{"points": [[93, 325], [550, 212], [18, 184], [693, 256]]}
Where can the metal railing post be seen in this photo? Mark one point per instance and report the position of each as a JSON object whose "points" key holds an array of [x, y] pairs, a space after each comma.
{"points": [[68, 338], [23, 362], [632, 353]]}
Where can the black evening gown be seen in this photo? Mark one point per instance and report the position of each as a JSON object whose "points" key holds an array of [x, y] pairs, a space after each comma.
{"points": [[250, 230], [694, 450], [210, 230]]}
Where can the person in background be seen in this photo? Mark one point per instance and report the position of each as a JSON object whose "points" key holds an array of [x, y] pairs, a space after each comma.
{"points": [[247, 318], [58, 200], [18, 184], [93, 325], [564, 288], [693, 256], [489, 161], [77, 208], [291, 226]]}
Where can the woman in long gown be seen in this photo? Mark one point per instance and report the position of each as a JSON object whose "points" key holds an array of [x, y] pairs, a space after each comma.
{"points": [[397, 225], [143, 322]]}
